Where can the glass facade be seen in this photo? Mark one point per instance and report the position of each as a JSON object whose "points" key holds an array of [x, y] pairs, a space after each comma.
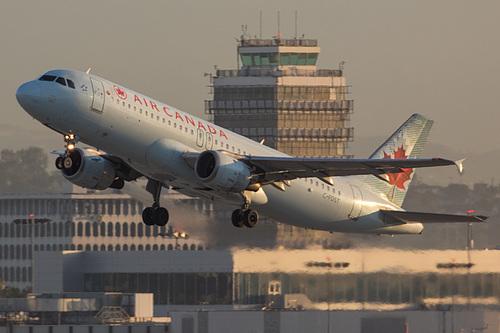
{"points": [[257, 288], [279, 59], [168, 288]]}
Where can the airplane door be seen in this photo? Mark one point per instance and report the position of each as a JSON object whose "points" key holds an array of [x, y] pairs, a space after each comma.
{"points": [[97, 95], [209, 142], [200, 138], [357, 203]]}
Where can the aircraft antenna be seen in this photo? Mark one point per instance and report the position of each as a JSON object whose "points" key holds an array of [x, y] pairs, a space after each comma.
{"points": [[88, 70]]}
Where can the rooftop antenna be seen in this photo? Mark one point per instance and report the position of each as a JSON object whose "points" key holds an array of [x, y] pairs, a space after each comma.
{"points": [[295, 24], [279, 34], [260, 24]]}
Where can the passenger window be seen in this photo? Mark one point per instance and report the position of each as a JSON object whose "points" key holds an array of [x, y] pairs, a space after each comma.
{"points": [[49, 78], [61, 81], [180, 127], [71, 84]]}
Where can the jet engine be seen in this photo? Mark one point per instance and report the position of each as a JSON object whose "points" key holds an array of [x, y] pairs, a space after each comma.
{"points": [[222, 172], [87, 169]]}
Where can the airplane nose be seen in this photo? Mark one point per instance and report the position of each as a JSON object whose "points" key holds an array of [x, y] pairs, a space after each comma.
{"points": [[28, 94]]}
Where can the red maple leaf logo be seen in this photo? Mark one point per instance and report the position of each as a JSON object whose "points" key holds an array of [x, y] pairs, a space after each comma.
{"points": [[120, 92], [399, 179]]}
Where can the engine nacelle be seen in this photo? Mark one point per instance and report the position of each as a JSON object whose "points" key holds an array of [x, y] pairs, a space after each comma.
{"points": [[86, 169], [222, 172]]}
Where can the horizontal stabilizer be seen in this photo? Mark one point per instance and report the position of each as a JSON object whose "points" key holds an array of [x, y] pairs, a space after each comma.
{"points": [[395, 216]]}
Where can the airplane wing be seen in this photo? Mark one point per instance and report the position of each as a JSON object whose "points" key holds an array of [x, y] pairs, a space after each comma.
{"points": [[392, 216], [273, 169]]}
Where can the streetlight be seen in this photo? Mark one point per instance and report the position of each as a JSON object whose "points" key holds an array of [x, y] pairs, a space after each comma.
{"points": [[32, 221], [170, 234]]}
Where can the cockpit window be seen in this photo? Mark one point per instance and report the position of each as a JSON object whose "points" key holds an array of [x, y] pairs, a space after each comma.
{"points": [[61, 81], [48, 78]]}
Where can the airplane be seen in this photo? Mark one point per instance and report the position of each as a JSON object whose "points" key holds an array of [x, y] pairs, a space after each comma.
{"points": [[135, 136]]}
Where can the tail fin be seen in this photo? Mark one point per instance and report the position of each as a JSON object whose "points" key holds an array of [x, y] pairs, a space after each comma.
{"points": [[407, 142]]}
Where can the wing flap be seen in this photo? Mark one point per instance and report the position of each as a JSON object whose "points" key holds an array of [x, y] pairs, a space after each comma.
{"points": [[391, 217]]}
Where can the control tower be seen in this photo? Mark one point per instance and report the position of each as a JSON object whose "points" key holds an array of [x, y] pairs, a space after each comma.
{"points": [[279, 96]]}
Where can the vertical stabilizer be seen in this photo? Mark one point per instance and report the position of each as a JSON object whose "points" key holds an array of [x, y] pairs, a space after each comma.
{"points": [[407, 142]]}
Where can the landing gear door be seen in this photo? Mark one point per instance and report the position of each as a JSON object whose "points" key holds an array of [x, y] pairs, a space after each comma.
{"points": [[97, 95], [357, 203]]}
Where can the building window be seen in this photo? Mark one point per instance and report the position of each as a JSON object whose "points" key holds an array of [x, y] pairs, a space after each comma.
{"points": [[125, 229], [110, 229], [95, 229], [132, 229], [140, 229], [87, 229], [117, 229]]}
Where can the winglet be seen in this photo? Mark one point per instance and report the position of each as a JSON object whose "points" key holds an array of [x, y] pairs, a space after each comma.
{"points": [[460, 165]]}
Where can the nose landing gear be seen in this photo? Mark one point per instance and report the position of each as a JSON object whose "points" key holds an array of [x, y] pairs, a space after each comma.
{"points": [[65, 161]]}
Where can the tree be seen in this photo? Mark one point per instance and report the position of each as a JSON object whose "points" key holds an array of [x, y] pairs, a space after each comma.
{"points": [[25, 171]]}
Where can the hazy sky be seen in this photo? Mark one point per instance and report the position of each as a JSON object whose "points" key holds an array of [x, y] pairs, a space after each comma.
{"points": [[438, 58]]}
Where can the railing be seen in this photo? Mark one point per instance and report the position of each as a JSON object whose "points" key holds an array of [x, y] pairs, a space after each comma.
{"points": [[273, 106], [278, 42], [336, 133], [274, 71]]}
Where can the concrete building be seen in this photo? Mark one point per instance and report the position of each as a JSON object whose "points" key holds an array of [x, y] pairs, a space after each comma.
{"points": [[79, 222], [278, 95], [352, 279]]}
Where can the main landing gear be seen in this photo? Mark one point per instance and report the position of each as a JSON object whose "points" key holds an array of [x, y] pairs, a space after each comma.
{"points": [[245, 217], [155, 215]]}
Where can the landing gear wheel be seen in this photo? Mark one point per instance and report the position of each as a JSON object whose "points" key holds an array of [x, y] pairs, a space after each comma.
{"points": [[160, 216], [59, 163], [67, 163], [250, 218], [147, 216], [236, 218]]}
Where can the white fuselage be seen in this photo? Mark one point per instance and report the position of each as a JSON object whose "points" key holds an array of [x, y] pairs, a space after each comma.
{"points": [[136, 128]]}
